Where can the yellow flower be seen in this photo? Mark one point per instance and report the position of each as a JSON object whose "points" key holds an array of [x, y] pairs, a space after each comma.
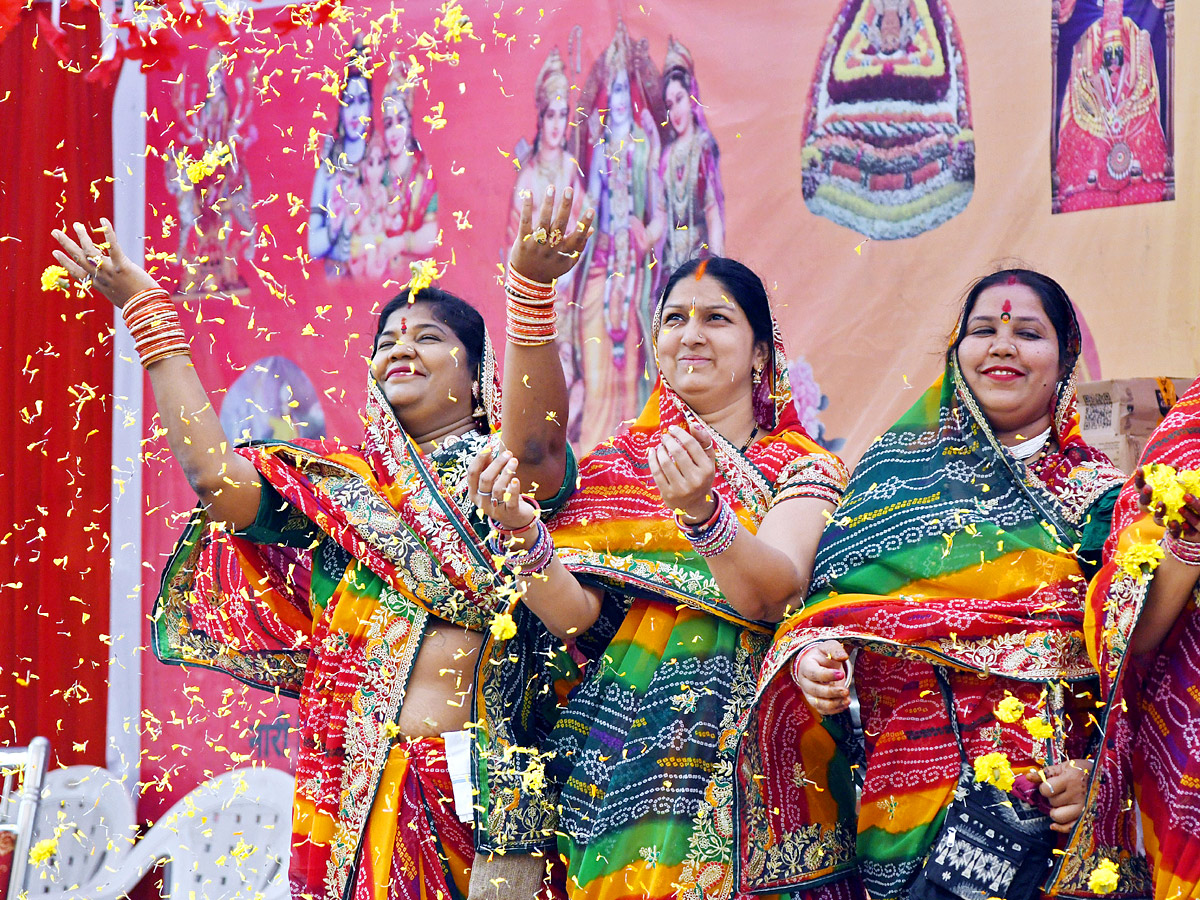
{"points": [[1166, 488], [1039, 729], [1139, 560], [390, 730], [423, 273], [503, 627], [454, 22], [55, 279], [1104, 877], [43, 850], [533, 779], [1010, 709], [994, 768], [196, 171]]}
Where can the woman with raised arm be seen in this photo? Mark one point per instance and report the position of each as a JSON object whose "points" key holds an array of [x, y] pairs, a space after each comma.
{"points": [[955, 568], [690, 533], [351, 576], [1143, 629]]}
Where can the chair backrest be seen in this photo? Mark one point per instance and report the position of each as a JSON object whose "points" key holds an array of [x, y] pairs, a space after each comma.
{"points": [[89, 813], [23, 770], [231, 837]]}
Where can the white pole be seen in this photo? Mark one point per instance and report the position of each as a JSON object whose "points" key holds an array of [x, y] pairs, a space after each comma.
{"points": [[123, 756]]}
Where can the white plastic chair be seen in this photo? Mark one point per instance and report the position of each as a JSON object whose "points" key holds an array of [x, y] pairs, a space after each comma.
{"points": [[90, 815], [229, 839], [23, 769]]}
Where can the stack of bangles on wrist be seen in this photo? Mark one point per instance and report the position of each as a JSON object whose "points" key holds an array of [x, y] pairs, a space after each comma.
{"points": [[154, 323], [1187, 552], [714, 536], [531, 319], [535, 557]]}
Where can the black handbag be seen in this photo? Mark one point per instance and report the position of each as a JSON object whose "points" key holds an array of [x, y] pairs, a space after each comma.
{"points": [[990, 845]]}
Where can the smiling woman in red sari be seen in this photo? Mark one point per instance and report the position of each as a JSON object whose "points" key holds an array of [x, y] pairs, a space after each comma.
{"points": [[351, 576], [955, 567]]}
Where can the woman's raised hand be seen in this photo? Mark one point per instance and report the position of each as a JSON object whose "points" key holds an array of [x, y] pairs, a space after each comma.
{"points": [[551, 248], [112, 274], [1064, 785], [496, 490], [684, 469], [821, 674]]}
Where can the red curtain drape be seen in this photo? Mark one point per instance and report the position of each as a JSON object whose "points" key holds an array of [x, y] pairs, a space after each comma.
{"points": [[55, 401]]}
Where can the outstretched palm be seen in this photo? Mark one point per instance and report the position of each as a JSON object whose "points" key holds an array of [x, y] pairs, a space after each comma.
{"points": [[549, 249]]}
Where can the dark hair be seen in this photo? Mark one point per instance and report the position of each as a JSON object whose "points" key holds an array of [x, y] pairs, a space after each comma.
{"points": [[453, 312], [680, 75], [742, 284], [1055, 302]]}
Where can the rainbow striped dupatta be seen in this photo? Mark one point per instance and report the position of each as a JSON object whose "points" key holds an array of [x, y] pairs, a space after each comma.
{"points": [[393, 545], [1152, 702], [946, 549]]}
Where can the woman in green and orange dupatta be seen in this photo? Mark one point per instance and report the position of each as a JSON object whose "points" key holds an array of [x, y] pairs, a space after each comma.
{"points": [[352, 576], [962, 545], [1143, 630], [691, 531]]}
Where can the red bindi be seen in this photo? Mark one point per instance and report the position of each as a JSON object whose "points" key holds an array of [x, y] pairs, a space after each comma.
{"points": [[404, 324], [1006, 311]]}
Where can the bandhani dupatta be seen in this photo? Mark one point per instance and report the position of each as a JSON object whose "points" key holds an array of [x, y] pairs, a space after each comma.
{"points": [[402, 549], [1152, 702], [946, 549]]}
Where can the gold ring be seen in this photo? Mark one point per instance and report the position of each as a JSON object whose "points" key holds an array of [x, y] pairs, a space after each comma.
{"points": [[556, 236], [539, 235]]}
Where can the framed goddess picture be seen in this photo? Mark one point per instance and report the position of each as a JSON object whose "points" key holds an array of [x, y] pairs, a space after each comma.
{"points": [[1113, 64]]}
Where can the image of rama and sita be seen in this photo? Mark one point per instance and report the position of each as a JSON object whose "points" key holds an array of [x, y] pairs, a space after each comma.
{"points": [[654, 638]]}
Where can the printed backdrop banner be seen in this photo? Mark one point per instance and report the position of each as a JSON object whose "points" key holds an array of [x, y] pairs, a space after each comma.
{"points": [[838, 148]]}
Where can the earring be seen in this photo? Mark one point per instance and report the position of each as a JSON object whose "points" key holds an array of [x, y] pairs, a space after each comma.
{"points": [[478, 412], [757, 377]]}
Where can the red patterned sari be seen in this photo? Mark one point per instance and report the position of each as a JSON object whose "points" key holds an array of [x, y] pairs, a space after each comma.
{"points": [[1152, 731]]}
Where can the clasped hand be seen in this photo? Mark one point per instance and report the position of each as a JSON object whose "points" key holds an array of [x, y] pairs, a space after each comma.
{"points": [[496, 490], [821, 674], [684, 466], [1189, 529]]}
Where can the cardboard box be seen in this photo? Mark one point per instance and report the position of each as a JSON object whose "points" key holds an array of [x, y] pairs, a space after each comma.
{"points": [[1118, 416]]}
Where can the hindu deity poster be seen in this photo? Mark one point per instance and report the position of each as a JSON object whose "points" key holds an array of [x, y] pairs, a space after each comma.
{"points": [[1113, 64], [888, 146], [635, 142]]}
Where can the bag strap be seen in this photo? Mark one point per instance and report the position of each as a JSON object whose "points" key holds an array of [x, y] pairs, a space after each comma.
{"points": [[1053, 713], [948, 696]]}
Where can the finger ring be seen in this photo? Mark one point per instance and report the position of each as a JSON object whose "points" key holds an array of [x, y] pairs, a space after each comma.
{"points": [[556, 236], [539, 235], [95, 261]]}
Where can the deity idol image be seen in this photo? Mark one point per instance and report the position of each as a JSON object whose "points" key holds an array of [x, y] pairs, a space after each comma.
{"points": [[395, 211], [614, 290], [888, 146], [216, 212], [1112, 148], [691, 180], [336, 186], [545, 163]]}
